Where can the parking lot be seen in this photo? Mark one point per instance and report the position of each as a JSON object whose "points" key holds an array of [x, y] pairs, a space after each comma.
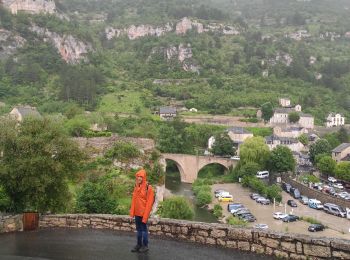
{"points": [[337, 227]]}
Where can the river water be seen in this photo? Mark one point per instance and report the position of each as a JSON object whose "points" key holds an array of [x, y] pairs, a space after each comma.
{"points": [[175, 186]]}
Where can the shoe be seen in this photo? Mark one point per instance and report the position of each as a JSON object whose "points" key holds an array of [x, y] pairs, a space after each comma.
{"points": [[136, 249], [143, 249]]}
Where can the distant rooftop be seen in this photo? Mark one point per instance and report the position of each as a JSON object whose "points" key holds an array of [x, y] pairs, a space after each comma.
{"points": [[238, 130], [167, 110], [341, 148]]}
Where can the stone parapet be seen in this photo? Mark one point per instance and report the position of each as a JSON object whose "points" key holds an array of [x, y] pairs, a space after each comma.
{"points": [[280, 245], [11, 223]]}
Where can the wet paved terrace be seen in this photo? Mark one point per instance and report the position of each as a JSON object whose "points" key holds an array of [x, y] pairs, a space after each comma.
{"points": [[87, 244]]}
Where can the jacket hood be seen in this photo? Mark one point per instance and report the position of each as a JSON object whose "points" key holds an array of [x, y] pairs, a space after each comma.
{"points": [[142, 173]]}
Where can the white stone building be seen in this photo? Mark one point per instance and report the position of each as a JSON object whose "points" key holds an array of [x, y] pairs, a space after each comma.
{"points": [[334, 119]]}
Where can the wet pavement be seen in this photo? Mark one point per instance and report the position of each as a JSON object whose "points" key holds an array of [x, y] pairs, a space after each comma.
{"points": [[338, 227], [88, 244]]}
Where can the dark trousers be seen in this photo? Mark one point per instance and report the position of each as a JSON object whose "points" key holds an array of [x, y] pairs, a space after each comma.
{"points": [[142, 232]]}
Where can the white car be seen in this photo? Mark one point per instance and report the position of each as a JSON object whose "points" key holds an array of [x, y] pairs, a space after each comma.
{"points": [[236, 158], [343, 194], [338, 186], [332, 179], [261, 226], [221, 193], [279, 215]]}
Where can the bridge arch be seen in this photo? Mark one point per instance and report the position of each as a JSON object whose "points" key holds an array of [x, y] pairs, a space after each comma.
{"points": [[189, 165]]}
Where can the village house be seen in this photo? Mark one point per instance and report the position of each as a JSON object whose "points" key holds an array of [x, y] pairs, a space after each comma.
{"points": [[21, 112], [291, 132], [167, 113], [237, 134], [292, 143], [341, 153], [285, 102], [306, 121], [334, 119]]}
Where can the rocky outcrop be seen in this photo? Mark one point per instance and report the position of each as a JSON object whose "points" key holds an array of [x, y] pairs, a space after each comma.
{"points": [[182, 27], [9, 43], [182, 54], [70, 49], [30, 6]]}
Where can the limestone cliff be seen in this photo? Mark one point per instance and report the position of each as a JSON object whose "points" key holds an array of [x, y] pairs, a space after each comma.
{"points": [[182, 27], [9, 43], [181, 53], [30, 6], [70, 49]]}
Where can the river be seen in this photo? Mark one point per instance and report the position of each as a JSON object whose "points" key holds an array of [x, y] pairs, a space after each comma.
{"points": [[175, 186]]}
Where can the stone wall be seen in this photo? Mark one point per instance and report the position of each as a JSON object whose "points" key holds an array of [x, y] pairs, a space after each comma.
{"points": [[288, 246], [315, 194], [11, 223]]}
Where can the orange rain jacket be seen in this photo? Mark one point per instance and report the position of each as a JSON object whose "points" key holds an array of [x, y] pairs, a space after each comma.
{"points": [[142, 198]]}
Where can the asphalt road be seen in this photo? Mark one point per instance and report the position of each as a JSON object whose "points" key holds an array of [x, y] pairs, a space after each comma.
{"points": [[88, 244]]}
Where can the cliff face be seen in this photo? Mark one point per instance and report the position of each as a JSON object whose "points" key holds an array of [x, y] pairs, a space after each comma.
{"points": [[182, 27], [9, 43], [30, 6], [181, 53], [71, 49]]}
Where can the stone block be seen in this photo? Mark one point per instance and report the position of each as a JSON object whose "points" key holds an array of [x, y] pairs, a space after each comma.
{"points": [[259, 249], [184, 230], [269, 242], [231, 244], [268, 250], [200, 239], [243, 245], [240, 234], [211, 241], [299, 248], [297, 257], [220, 242], [281, 254], [315, 250], [288, 246], [202, 233], [341, 254], [341, 245], [217, 233]]}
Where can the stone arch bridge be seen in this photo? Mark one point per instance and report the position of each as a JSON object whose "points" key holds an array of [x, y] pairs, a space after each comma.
{"points": [[190, 165]]}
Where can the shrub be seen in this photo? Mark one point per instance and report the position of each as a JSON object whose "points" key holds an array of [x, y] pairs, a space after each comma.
{"points": [[123, 151], [203, 198], [176, 207], [236, 221], [217, 211], [310, 220], [4, 201], [93, 198]]}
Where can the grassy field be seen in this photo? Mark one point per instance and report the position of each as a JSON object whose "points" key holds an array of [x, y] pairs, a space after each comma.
{"points": [[128, 102]]}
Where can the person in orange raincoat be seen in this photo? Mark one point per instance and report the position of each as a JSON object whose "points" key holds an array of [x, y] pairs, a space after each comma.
{"points": [[141, 206]]}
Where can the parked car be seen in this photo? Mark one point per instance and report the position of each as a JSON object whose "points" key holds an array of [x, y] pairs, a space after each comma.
{"points": [[265, 202], [226, 198], [315, 204], [259, 199], [332, 179], [247, 217], [304, 200], [279, 215], [334, 210], [261, 226], [338, 186], [262, 174], [316, 227], [292, 203], [290, 218], [286, 187], [342, 194], [317, 186], [241, 211], [330, 191], [218, 193], [235, 158], [295, 193], [234, 206], [254, 196]]}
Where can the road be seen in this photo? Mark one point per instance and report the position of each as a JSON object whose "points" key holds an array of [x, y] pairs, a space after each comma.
{"points": [[338, 227], [85, 244]]}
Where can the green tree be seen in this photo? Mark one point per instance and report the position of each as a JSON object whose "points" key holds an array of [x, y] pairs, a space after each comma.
{"points": [[343, 135], [223, 145], [203, 198], [332, 139], [281, 160], [123, 151], [321, 146], [267, 111], [37, 162], [249, 169], [293, 117], [94, 198], [176, 207], [342, 171], [303, 139], [326, 164], [77, 126], [254, 150]]}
